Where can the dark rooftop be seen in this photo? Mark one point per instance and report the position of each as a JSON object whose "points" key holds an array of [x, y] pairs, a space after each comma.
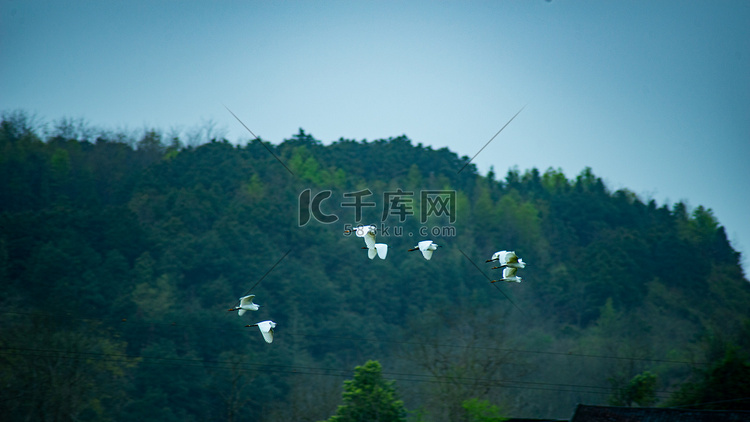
{"points": [[586, 413]]}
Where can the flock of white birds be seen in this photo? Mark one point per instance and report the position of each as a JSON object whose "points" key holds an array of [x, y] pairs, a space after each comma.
{"points": [[508, 261], [247, 304]]}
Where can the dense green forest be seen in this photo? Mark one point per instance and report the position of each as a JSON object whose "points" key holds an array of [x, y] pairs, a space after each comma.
{"points": [[120, 255]]}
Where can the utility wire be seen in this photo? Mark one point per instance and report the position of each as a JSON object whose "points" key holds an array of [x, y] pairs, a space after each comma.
{"points": [[267, 272], [307, 370], [216, 328], [491, 139], [262, 143], [711, 402]]}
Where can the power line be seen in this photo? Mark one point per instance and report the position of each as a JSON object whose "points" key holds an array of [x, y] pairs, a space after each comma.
{"points": [[709, 402], [262, 143], [491, 139], [268, 272], [306, 370], [389, 341]]}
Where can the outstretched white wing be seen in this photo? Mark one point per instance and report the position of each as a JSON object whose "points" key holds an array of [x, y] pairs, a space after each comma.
{"points": [[370, 240], [509, 274], [246, 300], [382, 249], [427, 248], [267, 335], [266, 328], [368, 232]]}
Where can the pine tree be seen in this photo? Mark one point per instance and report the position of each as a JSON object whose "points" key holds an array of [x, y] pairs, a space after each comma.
{"points": [[368, 397]]}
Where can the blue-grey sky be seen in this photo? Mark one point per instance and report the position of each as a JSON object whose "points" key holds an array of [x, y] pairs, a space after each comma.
{"points": [[654, 96]]}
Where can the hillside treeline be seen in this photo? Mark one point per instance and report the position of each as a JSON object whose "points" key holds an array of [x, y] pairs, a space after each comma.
{"points": [[120, 255]]}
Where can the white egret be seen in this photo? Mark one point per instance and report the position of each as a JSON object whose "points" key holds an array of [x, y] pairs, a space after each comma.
{"points": [[379, 249], [507, 259], [246, 304], [509, 275], [368, 233], [266, 328], [427, 247]]}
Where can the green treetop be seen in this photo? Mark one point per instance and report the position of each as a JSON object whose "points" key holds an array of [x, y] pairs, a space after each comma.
{"points": [[368, 397]]}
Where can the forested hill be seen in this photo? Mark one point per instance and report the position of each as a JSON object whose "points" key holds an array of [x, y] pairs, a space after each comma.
{"points": [[119, 257]]}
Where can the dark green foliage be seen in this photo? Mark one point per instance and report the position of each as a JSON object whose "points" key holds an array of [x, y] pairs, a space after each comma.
{"points": [[481, 411], [368, 397], [133, 249], [61, 369], [724, 385], [639, 391]]}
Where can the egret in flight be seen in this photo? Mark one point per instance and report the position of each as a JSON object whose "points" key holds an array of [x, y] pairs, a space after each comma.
{"points": [[379, 249], [427, 247], [246, 304], [509, 275], [266, 328], [368, 233], [507, 259]]}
